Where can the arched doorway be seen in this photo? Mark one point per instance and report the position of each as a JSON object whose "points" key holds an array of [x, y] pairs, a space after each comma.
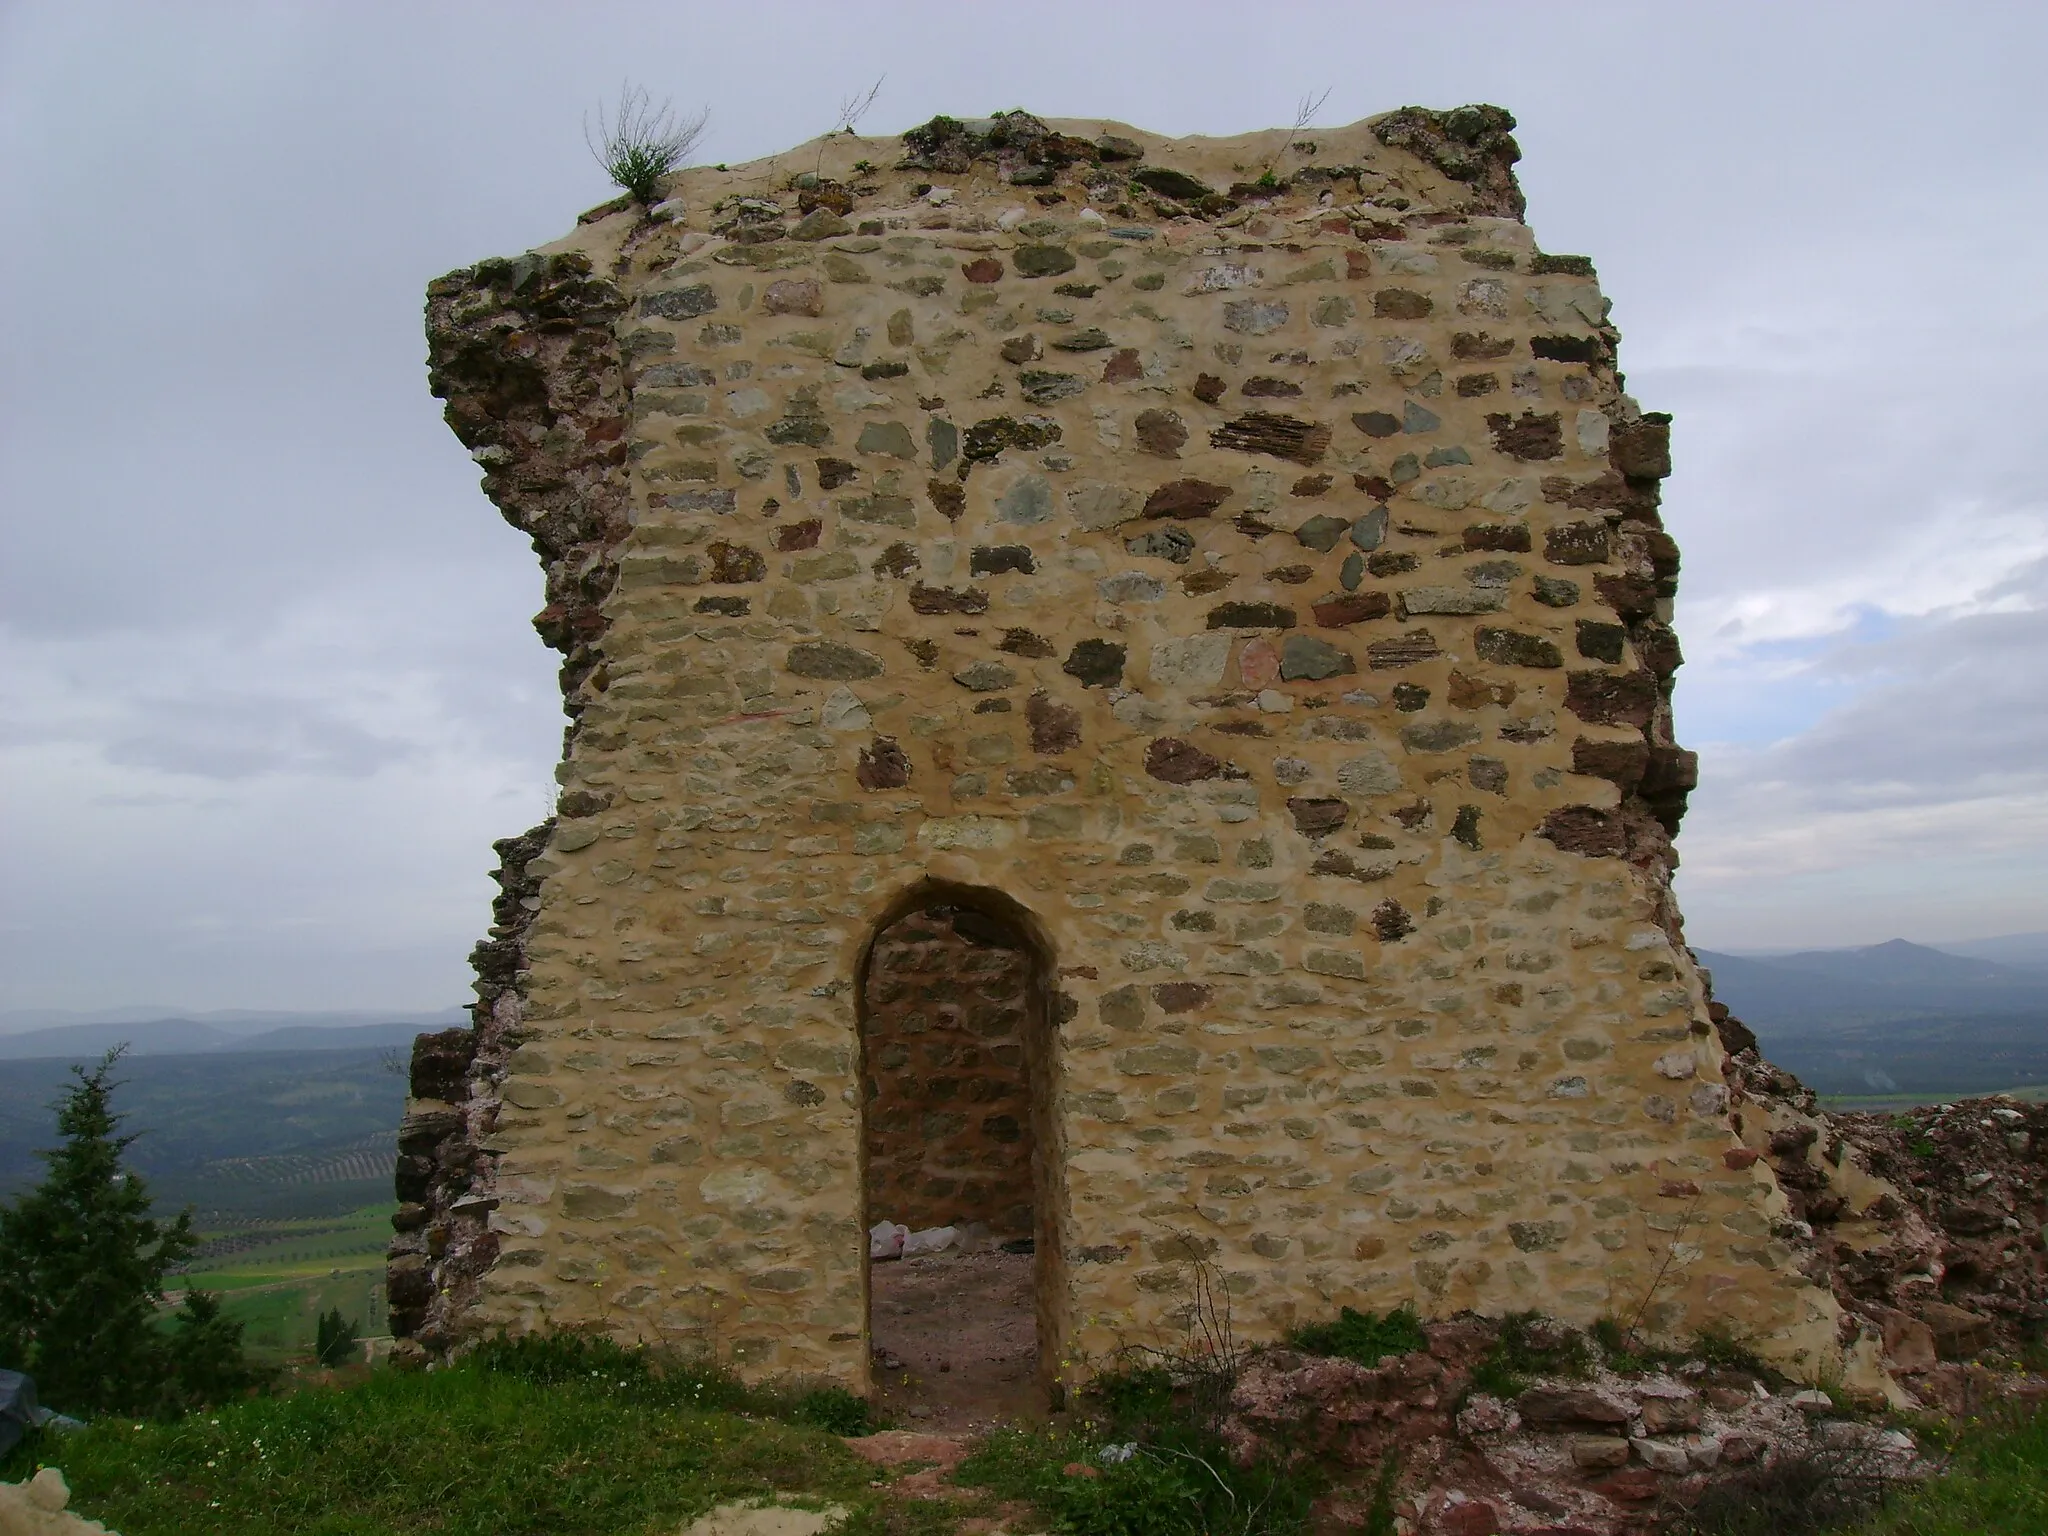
{"points": [[958, 1150]]}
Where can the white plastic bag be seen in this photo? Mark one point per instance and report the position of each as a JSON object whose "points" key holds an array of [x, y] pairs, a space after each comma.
{"points": [[930, 1240], [886, 1239]]}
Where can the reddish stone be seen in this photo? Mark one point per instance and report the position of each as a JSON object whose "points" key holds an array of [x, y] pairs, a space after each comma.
{"points": [[882, 766], [1740, 1157], [1473, 1517], [950, 499], [1511, 537], [1554, 1407], [1612, 698], [1122, 367], [1178, 762], [1633, 597], [1208, 388], [1678, 1189], [1268, 432], [794, 296], [1633, 1485], [1351, 608], [1054, 727], [1258, 664], [925, 599], [1317, 817], [1185, 499], [1583, 829], [1180, 996], [1162, 433], [985, 269], [1619, 762], [1532, 436], [803, 535], [1576, 544]]}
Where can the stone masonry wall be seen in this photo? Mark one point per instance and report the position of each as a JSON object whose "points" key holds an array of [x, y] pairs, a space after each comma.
{"points": [[947, 1080], [1234, 560]]}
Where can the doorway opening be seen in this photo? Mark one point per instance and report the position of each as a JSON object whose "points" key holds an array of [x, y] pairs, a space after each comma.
{"points": [[959, 1172]]}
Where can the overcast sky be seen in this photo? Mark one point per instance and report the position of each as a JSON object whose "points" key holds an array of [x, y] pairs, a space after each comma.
{"points": [[268, 688]]}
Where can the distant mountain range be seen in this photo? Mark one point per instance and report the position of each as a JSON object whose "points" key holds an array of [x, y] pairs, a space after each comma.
{"points": [[203, 1035], [1894, 1017], [233, 1021]]}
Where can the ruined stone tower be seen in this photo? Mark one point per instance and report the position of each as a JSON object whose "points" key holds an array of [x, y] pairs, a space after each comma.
{"points": [[1212, 592]]}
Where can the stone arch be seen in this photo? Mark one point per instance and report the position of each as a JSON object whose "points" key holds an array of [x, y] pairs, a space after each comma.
{"points": [[958, 1067]]}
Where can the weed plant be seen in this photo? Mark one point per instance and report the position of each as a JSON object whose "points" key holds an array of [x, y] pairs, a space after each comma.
{"points": [[1529, 1344], [641, 143], [1366, 1337]]}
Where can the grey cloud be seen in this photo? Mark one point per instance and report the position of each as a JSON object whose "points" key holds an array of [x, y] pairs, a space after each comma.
{"points": [[226, 736], [217, 422]]}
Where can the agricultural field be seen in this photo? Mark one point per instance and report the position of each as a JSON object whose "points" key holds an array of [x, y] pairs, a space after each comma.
{"points": [[277, 1277]]}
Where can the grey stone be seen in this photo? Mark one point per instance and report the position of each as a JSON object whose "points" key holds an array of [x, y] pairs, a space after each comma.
{"points": [[1321, 532], [985, 677], [1451, 600], [1372, 774], [1370, 531], [1254, 317], [680, 303], [1438, 735], [1306, 658], [830, 660], [890, 437], [1043, 260], [1417, 418], [1027, 502], [1175, 544], [1043, 388]]}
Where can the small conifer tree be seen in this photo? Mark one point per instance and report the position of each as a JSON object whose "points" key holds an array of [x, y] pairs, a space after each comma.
{"points": [[82, 1269], [335, 1339]]}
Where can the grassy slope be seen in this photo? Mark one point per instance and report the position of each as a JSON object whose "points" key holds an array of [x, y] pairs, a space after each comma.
{"points": [[462, 1452], [476, 1452], [1996, 1485]]}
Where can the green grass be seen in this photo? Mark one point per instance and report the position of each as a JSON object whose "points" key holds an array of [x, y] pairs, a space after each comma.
{"points": [[565, 1438], [1996, 1485], [277, 1277]]}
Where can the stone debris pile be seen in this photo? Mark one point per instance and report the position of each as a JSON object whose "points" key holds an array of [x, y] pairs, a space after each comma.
{"points": [[1595, 1454]]}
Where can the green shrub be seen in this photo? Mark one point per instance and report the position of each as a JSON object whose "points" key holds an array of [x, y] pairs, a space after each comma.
{"points": [[1366, 1337], [1167, 1471], [1144, 1494]]}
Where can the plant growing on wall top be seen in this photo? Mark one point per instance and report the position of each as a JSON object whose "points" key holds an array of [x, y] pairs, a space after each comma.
{"points": [[642, 143]]}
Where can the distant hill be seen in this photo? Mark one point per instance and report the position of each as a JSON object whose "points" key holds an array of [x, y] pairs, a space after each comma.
{"points": [[240, 1134], [231, 1021], [1891, 1018], [189, 1037], [2029, 949]]}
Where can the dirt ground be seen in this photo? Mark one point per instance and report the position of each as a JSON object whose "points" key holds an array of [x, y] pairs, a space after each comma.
{"points": [[956, 1345]]}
